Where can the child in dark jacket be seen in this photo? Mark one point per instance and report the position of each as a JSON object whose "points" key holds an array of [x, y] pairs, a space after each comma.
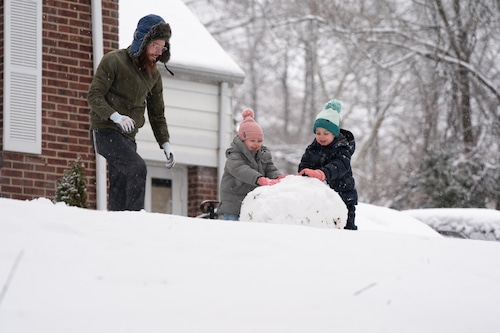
{"points": [[328, 158]]}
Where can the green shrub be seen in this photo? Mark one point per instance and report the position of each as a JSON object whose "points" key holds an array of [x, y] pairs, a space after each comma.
{"points": [[71, 188]]}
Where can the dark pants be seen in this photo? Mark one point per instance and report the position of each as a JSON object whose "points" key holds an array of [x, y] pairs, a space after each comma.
{"points": [[127, 170], [351, 214]]}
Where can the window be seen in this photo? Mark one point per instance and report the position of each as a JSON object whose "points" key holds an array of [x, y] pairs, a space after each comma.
{"points": [[166, 189], [161, 195]]}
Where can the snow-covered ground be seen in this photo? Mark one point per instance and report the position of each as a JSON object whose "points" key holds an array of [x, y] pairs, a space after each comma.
{"points": [[66, 269]]}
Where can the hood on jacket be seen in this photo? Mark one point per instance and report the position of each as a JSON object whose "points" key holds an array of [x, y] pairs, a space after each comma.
{"points": [[350, 139], [151, 27]]}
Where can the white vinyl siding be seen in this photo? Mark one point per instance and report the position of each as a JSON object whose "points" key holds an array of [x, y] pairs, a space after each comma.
{"points": [[22, 76], [192, 112]]}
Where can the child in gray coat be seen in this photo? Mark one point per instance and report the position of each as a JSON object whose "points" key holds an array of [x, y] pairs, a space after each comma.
{"points": [[248, 165]]}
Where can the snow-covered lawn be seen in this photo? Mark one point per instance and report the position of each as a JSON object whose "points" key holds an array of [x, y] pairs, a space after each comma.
{"points": [[66, 269]]}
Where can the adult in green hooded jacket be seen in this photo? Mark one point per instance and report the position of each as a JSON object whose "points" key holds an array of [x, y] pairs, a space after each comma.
{"points": [[124, 84]]}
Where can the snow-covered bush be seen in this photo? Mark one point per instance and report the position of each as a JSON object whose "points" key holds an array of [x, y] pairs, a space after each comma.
{"points": [[473, 223], [451, 179], [71, 188]]}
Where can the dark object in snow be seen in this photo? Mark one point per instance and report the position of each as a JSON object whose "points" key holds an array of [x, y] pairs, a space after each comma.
{"points": [[451, 233], [208, 210]]}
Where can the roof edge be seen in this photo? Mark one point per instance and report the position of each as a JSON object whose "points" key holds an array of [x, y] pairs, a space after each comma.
{"points": [[204, 74]]}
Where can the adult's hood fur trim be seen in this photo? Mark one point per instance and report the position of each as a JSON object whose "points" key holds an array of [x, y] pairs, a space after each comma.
{"points": [[151, 27]]}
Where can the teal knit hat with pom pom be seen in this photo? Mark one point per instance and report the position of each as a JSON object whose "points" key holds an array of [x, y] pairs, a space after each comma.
{"points": [[329, 118]]}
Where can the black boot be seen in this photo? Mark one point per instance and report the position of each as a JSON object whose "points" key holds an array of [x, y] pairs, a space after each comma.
{"points": [[351, 214]]}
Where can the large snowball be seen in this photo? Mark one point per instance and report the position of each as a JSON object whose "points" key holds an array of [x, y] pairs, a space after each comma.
{"points": [[295, 200]]}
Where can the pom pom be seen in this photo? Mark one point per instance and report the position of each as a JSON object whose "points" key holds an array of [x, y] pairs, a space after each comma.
{"points": [[333, 104], [247, 113]]}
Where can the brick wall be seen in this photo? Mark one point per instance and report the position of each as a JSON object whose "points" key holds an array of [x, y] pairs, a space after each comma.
{"points": [[202, 185], [67, 73]]}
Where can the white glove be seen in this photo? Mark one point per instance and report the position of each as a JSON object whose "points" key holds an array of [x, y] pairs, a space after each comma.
{"points": [[125, 123], [170, 155]]}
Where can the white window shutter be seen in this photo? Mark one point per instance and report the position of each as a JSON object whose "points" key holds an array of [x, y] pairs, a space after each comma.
{"points": [[22, 106]]}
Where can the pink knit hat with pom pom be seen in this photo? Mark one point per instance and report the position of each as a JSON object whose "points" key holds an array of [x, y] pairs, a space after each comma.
{"points": [[249, 129]]}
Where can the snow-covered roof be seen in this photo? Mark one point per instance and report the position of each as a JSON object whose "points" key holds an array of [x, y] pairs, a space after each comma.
{"points": [[194, 50]]}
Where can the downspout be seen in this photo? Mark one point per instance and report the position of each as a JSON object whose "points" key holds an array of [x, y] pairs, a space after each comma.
{"points": [[98, 52], [223, 130]]}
